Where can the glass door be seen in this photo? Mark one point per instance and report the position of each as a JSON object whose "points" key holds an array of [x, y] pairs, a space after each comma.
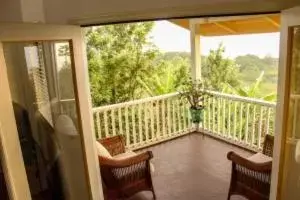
{"points": [[286, 171], [47, 131]]}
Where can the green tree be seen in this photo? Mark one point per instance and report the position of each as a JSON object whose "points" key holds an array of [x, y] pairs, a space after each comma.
{"points": [[169, 77], [118, 56], [251, 67], [218, 71], [252, 91]]}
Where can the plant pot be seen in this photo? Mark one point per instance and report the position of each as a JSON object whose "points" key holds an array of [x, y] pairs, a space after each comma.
{"points": [[197, 114]]}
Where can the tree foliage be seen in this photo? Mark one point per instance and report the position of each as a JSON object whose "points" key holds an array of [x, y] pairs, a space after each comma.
{"points": [[119, 55], [252, 91], [218, 70], [124, 64], [169, 77]]}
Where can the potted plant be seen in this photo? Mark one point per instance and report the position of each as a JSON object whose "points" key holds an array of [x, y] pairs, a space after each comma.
{"points": [[195, 93]]}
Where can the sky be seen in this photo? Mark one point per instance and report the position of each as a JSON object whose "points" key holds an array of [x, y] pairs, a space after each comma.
{"points": [[170, 37]]}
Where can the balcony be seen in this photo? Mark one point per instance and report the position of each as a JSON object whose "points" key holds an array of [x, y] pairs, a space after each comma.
{"points": [[145, 122], [190, 161]]}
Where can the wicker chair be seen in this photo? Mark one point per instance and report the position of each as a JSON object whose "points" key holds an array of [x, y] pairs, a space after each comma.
{"points": [[123, 178], [249, 178]]}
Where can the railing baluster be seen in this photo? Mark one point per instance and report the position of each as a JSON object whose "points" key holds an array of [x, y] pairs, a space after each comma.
{"points": [[189, 121], [179, 115], [204, 124], [241, 121], [120, 121], [157, 120], [235, 121], [140, 123], [209, 115], [189, 117], [184, 115], [229, 119], [169, 117], [213, 115], [163, 116], [133, 125], [146, 122], [219, 116], [253, 126], [106, 133], [268, 121], [224, 117], [127, 126], [173, 117], [113, 122], [98, 121], [260, 126], [152, 120], [247, 123]]}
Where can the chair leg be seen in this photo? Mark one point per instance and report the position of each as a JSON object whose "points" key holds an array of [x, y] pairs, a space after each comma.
{"points": [[154, 195], [229, 195]]}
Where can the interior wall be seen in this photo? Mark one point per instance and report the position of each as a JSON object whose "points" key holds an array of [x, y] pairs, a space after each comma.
{"points": [[15, 60]]}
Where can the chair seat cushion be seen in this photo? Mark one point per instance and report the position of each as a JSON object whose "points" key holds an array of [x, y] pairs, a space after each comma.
{"points": [[125, 155], [260, 158], [102, 151], [129, 154]]}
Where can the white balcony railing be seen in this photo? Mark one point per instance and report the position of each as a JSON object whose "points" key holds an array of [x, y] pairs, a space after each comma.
{"points": [[243, 121], [144, 122]]}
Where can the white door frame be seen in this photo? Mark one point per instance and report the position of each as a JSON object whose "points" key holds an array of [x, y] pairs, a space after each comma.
{"points": [[13, 163], [289, 18]]}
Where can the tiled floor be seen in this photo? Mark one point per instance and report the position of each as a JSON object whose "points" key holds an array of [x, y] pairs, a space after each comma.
{"points": [[192, 167]]}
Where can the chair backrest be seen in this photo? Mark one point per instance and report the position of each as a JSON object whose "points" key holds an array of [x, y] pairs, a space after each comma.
{"points": [[115, 145], [102, 151], [268, 145]]}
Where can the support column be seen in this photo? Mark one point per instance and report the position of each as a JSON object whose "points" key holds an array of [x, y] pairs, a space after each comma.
{"points": [[195, 50]]}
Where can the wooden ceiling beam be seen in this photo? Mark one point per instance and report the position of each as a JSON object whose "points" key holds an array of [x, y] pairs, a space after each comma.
{"points": [[226, 28], [273, 22]]}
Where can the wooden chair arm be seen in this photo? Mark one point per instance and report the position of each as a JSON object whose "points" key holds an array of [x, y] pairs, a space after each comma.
{"points": [[115, 145], [244, 162], [128, 171], [120, 163]]}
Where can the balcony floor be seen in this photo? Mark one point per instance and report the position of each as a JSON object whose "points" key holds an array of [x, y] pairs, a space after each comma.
{"points": [[192, 167]]}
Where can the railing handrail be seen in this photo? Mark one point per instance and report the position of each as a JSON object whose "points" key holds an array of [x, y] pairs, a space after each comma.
{"points": [[134, 102], [243, 99], [165, 96]]}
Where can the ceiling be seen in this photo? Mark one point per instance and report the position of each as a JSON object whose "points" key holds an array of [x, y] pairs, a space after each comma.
{"points": [[95, 12], [236, 25]]}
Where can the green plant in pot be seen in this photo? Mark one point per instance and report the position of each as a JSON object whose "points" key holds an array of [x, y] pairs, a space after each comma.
{"points": [[195, 93]]}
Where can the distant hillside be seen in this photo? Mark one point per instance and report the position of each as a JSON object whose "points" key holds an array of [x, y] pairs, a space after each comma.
{"points": [[250, 67]]}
